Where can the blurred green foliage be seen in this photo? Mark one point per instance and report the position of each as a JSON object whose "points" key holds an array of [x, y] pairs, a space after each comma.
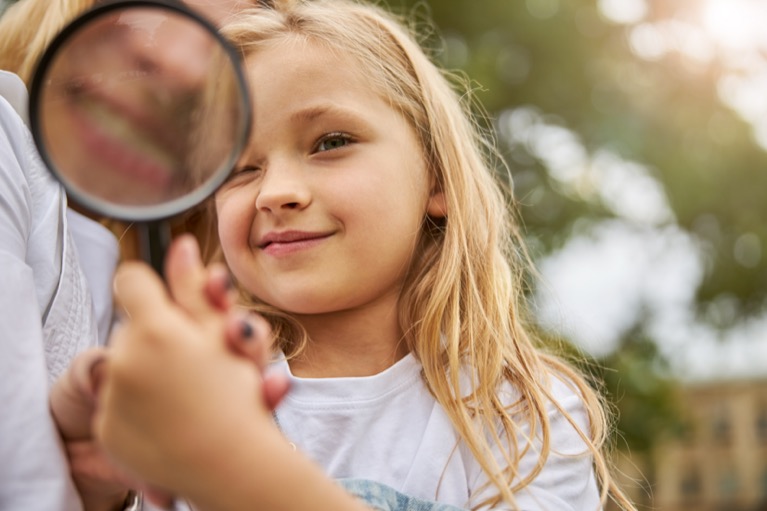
{"points": [[578, 71], [648, 402], [644, 399]]}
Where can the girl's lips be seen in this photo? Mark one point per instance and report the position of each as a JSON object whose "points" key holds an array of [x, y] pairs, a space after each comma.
{"points": [[289, 242]]}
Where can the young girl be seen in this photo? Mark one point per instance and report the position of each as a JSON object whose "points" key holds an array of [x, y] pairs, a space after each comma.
{"points": [[364, 221]]}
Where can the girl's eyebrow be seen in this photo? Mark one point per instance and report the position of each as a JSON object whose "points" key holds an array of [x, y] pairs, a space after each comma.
{"points": [[312, 113]]}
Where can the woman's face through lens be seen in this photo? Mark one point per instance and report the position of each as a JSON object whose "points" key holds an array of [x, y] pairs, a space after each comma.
{"points": [[128, 100]]}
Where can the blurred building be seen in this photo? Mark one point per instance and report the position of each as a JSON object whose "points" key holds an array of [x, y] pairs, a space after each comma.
{"points": [[718, 463]]}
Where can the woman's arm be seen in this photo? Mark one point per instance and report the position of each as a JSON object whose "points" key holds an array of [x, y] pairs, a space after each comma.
{"points": [[33, 473]]}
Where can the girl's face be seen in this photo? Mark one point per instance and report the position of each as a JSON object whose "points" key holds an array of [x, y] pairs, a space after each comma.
{"points": [[326, 206]]}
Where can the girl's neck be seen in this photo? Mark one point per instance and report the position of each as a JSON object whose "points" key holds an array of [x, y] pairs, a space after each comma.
{"points": [[350, 343]]}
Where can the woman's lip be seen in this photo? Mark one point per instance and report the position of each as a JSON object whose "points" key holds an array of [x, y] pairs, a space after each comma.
{"points": [[155, 170], [147, 127], [123, 135]]}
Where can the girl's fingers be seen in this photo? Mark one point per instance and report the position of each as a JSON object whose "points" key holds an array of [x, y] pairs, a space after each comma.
{"points": [[187, 277], [159, 498], [219, 288], [138, 291], [276, 386], [249, 335]]}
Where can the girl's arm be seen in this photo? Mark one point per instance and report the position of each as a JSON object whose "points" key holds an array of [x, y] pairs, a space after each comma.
{"points": [[101, 485], [179, 410]]}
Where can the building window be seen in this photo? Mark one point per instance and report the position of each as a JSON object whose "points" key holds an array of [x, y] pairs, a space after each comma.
{"points": [[690, 484], [763, 483], [761, 423], [688, 432], [722, 427], [728, 486]]}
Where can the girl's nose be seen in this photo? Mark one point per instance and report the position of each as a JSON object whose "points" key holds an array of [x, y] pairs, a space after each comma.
{"points": [[282, 188]]}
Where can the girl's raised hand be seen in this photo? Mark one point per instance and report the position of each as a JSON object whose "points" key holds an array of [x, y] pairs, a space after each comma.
{"points": [[171, 370], [73, 396], [246, 333]]}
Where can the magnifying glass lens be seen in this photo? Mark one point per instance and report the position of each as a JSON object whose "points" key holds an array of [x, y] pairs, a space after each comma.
{"points": [[140, 110]]}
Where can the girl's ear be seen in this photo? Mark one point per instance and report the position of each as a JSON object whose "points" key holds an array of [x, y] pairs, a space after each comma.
{"points": [[436, 207]]}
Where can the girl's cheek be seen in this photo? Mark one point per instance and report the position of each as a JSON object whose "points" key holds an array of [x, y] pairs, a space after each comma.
{"points": [[233, 229], [224, 226]]}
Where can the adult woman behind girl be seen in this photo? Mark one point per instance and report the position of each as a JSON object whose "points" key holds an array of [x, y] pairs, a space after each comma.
{"points": [[20, 50], [46, 317], [365, 222]]}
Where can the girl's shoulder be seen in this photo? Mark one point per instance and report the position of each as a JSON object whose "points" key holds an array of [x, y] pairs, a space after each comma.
{"points": [[556, 389], [563, 478]]}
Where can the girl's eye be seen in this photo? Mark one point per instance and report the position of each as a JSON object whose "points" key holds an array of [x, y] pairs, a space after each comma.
{"points": [[245, 169], [333, 141], [244, 172]]}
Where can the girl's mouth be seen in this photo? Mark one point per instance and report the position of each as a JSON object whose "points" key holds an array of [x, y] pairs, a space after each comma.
{"points": [[288, 242]]}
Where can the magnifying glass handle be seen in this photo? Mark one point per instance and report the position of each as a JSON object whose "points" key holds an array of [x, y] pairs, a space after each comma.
{"points": [[154, 239]]}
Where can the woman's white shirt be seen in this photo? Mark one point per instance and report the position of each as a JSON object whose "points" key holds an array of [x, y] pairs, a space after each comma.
{"points": [[46, 315], [99, 252]]}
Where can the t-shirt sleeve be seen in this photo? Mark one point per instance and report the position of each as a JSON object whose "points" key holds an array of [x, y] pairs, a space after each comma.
{"points": [[567, 481]]}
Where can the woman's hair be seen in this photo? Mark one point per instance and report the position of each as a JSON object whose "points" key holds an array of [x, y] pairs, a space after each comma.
{"points": [[461, 305], [21, 47], [27, 28]]}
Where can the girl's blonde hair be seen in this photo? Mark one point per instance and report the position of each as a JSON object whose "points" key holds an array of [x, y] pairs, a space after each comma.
{"points": [[462, 303]]}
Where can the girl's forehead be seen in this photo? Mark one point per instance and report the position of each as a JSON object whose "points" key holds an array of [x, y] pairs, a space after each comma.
{"points": [[294, 71], [306, 59]]}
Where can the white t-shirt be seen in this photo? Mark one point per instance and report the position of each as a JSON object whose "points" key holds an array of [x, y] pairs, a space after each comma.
{"points": [[46, 316], [388, 428]]}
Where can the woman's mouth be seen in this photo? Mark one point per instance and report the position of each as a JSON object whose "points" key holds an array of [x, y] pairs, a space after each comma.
{"points": [[130, 143]]}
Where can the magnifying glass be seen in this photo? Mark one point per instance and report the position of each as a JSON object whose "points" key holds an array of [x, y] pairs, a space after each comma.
{"points": [[140, 109]]}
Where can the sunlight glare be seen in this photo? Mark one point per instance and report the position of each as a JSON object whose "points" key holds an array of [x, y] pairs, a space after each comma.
{"points": [[737, 24], [623, 11]]}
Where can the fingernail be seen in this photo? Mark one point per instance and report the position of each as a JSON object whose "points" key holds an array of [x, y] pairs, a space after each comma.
{"points": [[96, 371], [189, 250], [228, 282], [247, 331]]}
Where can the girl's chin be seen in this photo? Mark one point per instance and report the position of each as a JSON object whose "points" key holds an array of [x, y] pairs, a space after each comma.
{"points": [[301, 306]]}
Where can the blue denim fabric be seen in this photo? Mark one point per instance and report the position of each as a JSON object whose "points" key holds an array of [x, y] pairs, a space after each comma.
{"points": [[384, 498]]}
